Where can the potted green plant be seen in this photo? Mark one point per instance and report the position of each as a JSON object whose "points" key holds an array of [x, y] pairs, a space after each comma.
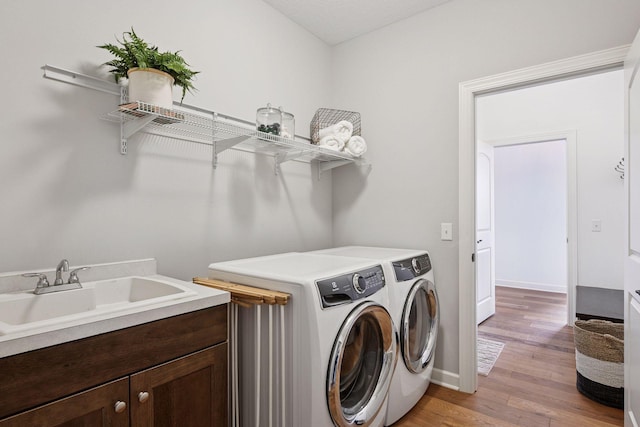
{"points": [[149, 69]]}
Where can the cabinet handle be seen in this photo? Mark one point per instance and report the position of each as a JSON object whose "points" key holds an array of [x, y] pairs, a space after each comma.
{"points": [[120, 406], [143, 396]]}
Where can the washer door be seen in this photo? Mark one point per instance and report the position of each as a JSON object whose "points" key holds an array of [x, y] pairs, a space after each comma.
{"points": [[419, 327], [362, 361]]}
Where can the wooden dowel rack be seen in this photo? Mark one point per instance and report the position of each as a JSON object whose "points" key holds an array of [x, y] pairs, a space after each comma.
{"points": [[244, 295]]}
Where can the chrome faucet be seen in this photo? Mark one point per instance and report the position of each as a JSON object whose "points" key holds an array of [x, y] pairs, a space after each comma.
{"points": [[63, 266], [43, 286]]}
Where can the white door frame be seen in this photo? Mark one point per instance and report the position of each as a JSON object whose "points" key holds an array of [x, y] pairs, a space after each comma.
{"points": [[632, 254], [570, 136], [567, 68]]}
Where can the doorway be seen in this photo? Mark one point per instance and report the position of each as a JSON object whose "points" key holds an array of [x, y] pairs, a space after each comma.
{"points": [[522, 215], [522, 219], [531, 194], [565, 69]]}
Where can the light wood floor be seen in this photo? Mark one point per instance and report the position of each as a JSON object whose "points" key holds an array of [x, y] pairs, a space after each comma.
{"points": [[533, 381]]}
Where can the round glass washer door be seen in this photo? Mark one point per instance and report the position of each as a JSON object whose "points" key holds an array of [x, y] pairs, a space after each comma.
{"points": [[362, 362], [419, 326]]}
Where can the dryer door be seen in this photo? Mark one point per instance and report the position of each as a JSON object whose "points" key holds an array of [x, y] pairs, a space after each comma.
{"points": [[419, 327], [362, 362]]}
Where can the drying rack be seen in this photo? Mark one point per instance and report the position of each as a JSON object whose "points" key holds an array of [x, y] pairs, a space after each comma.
{"points": [[254, 298]]}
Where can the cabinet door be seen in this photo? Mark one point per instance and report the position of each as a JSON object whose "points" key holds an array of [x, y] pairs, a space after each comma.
{"points": [[187, 392], [92, 408], [632, 358]]}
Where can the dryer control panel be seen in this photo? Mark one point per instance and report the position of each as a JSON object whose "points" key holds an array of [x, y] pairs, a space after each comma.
{"points": [[350, 287], [411, 268]]}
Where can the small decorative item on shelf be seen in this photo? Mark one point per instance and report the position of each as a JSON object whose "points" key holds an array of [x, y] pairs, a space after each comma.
{"points": [[288, 129], [338, 130], [151, 73], [269, 120]]}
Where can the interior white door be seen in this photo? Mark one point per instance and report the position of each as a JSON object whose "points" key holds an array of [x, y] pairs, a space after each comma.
{"points": [[485, 234], [632, 262]]}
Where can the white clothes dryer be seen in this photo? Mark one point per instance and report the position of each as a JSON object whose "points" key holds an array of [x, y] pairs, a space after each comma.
{"points": [[415, 310], [341, 344]]}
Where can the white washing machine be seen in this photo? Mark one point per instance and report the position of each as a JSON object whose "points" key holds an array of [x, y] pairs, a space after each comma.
{"points": [[415, 311], [341, 344]]}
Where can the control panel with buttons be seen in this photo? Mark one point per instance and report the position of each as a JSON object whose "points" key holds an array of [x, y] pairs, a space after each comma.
{"points": [[411, 268], [350, 287]]}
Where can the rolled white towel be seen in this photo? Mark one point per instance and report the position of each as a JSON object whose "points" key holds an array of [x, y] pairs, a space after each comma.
{"points": [[332, 142], [343, 130], [356, 146]]}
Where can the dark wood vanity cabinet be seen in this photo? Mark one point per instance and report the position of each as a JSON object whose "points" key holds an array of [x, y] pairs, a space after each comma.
{"points": [[171, 372]]}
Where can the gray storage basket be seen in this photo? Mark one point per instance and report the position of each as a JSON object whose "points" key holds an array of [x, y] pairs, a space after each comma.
{"points": [[325, 117], [600, 361]]}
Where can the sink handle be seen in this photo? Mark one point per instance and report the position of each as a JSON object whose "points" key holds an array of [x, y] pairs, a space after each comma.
{"points": [[43, 282], [73, 276]]}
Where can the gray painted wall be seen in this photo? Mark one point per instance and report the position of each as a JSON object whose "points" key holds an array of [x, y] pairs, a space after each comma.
{"points": [[67, 192], [404, 80]]}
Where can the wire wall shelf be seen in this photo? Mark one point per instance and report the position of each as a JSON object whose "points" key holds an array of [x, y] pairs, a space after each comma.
{"points": [[197, 125]]}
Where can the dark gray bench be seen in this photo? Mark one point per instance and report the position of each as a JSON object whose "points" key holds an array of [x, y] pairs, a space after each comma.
{"points": [[599, 303]]}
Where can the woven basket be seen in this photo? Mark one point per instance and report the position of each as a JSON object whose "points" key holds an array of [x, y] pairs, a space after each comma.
{"points": [[326, 117], [600, 361]]}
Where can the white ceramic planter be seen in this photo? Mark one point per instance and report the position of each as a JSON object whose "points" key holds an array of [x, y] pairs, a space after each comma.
{"points": [[151, 86]]}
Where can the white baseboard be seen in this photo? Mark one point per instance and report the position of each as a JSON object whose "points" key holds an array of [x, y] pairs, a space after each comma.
{"points": [[547, 287], [445, 379]]}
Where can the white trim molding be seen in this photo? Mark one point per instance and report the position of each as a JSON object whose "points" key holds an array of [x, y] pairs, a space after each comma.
{"points": [[553, 71], [546, 287], [445, 379]]}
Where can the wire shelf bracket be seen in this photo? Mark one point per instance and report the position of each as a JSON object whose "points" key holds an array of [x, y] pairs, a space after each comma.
{"points": [[327, 166], [130, 128], [285, 157], [332, 164], [77, 79], [226, 144]]}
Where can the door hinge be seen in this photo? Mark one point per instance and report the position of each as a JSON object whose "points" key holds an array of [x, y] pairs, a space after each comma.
{"points": [[473, 257]]}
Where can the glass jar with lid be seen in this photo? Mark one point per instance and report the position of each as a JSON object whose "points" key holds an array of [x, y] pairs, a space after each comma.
{"points": [[269, 120], [288, 129]]}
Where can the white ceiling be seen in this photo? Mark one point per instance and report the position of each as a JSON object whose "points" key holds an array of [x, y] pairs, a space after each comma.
{"points": [[335, 21]]}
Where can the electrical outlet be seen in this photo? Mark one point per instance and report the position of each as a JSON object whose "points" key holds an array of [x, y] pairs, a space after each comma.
{"points": [[446, 231], [596, 225]]}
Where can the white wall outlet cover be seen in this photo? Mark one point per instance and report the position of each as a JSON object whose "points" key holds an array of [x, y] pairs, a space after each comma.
{"points": [[596, 225], [446, 231]]}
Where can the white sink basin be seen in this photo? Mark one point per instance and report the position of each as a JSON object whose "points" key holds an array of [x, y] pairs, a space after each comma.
{"points": [[134, 289], [17, 309], [25, 311]]}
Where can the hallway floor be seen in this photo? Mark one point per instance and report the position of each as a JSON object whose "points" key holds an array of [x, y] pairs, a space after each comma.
{"points": [[533, 381]]}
